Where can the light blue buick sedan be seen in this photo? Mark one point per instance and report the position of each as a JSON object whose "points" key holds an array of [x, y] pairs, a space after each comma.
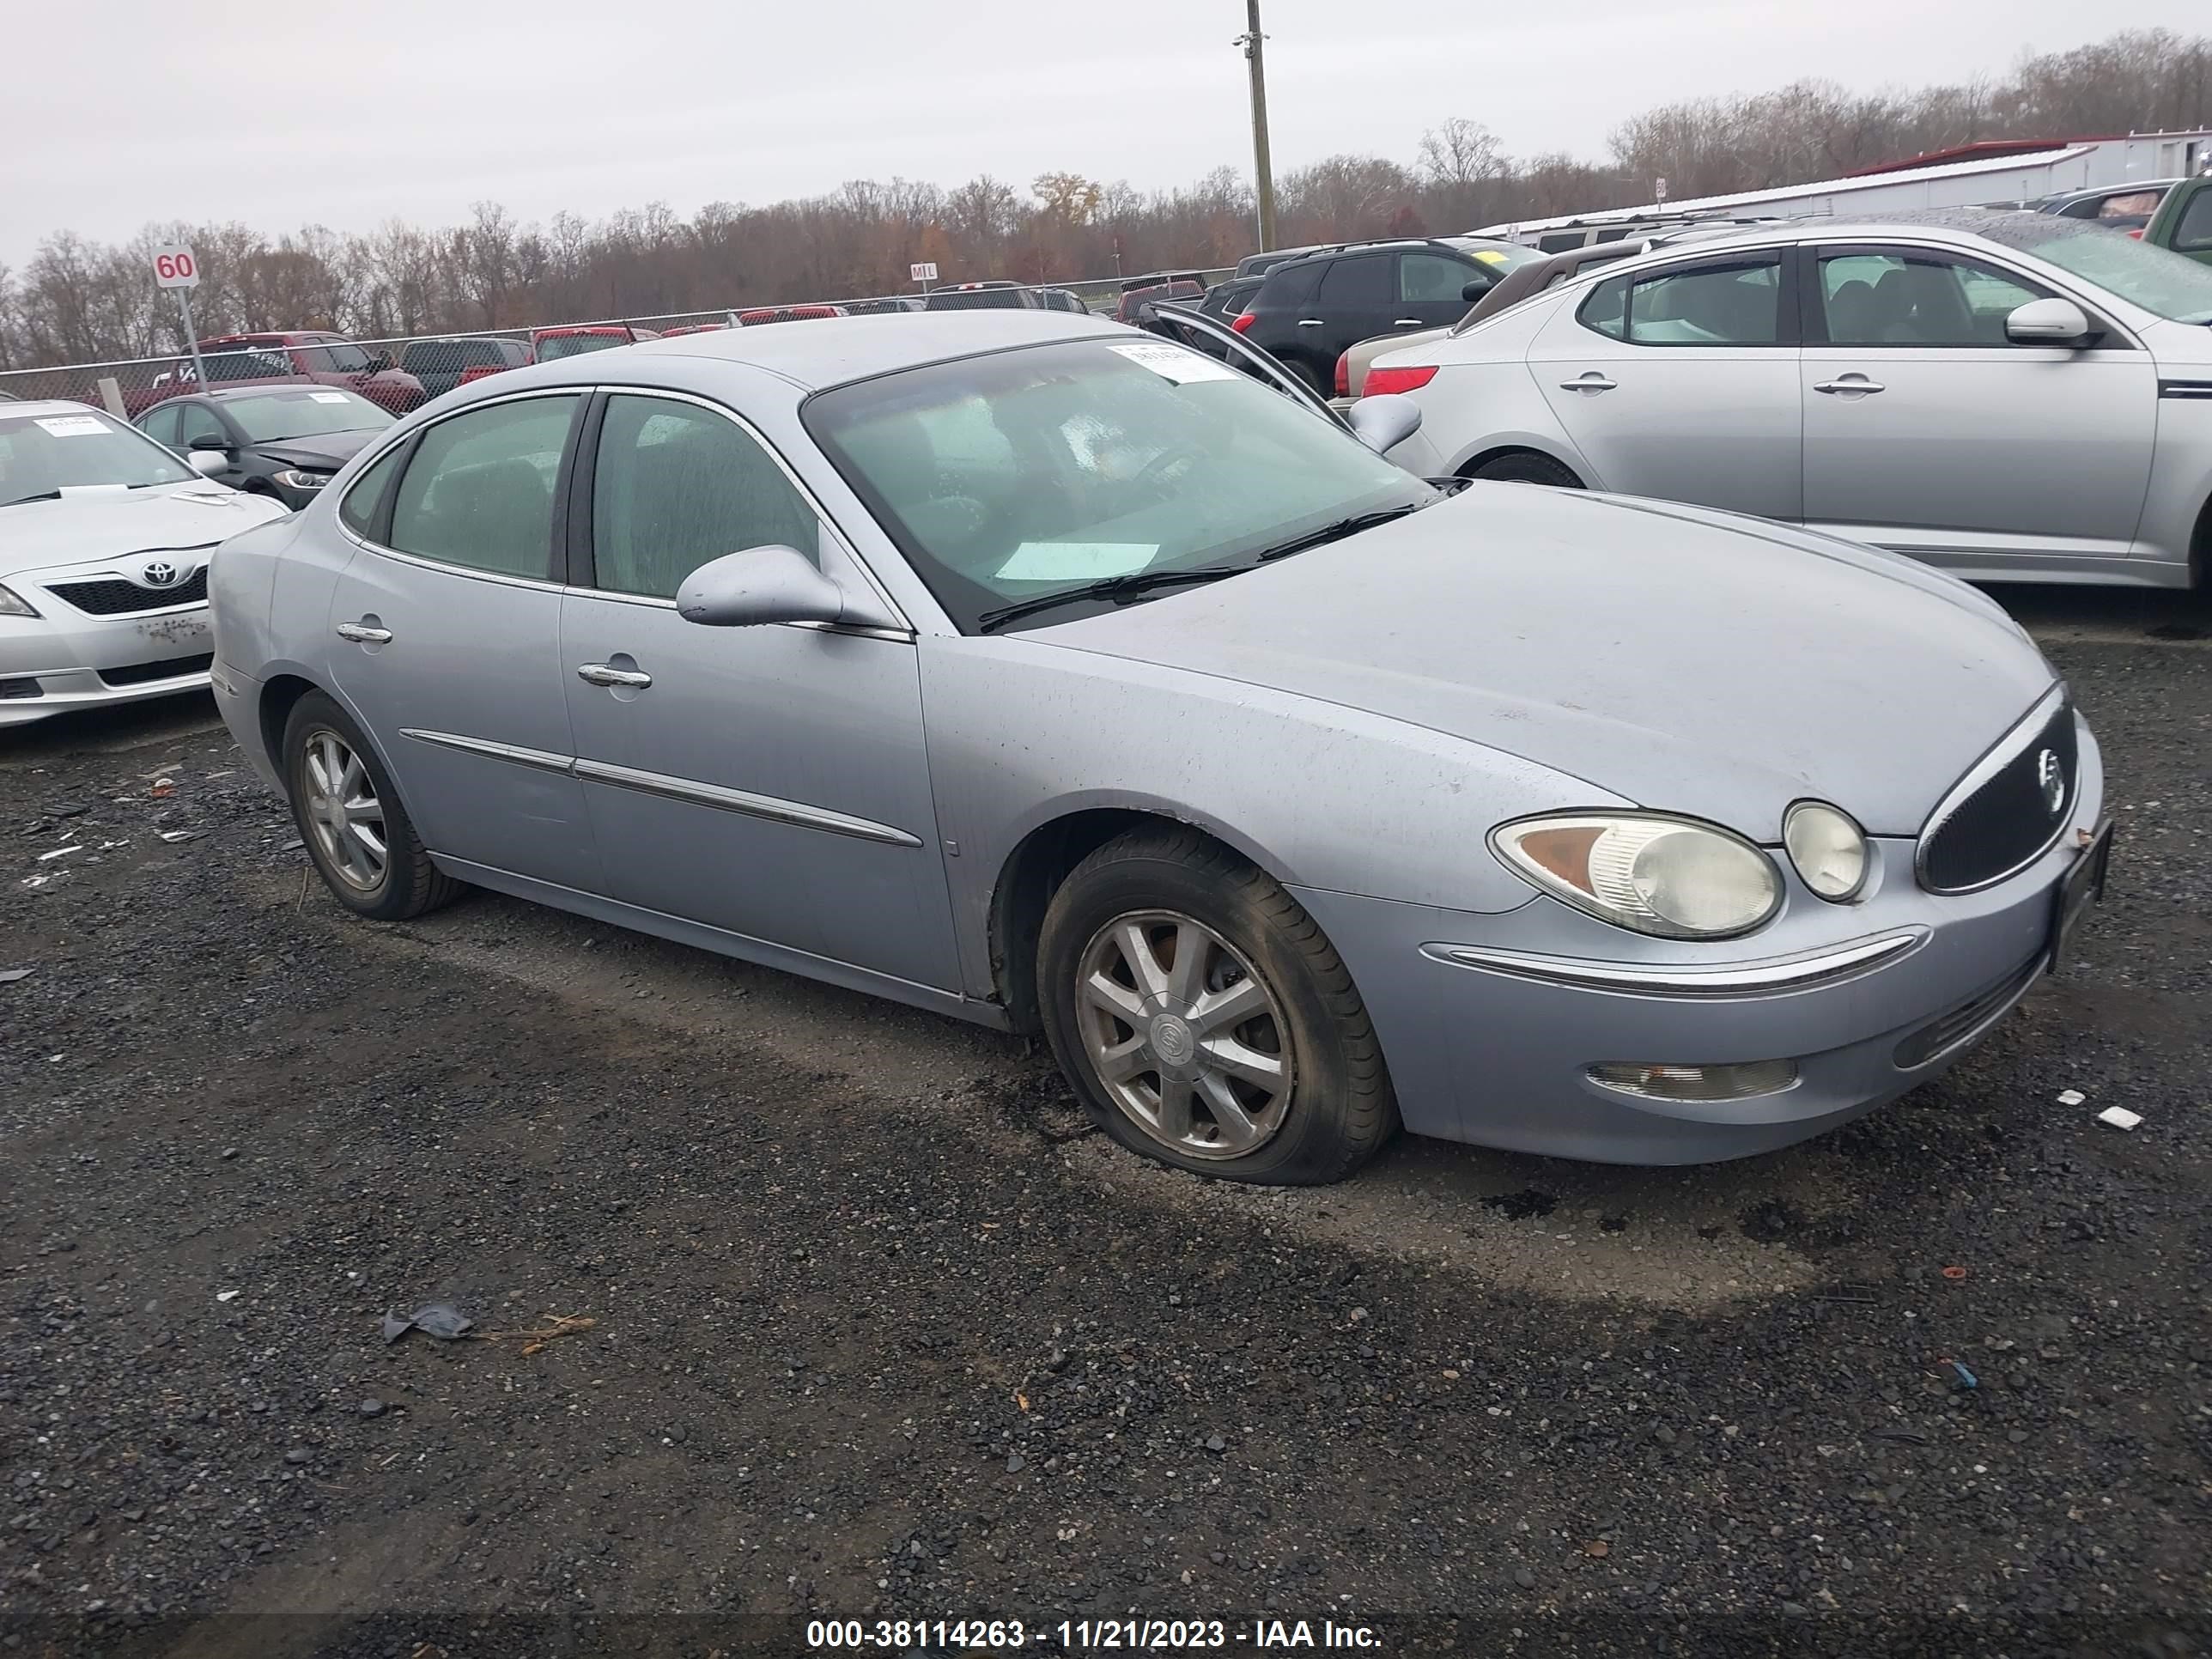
{"points": [[1049, 674]]}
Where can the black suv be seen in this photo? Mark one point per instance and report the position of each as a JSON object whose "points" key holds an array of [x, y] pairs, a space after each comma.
{"points": [[1309, 312]]}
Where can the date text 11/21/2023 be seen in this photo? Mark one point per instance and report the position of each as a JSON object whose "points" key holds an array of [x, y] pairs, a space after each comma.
{"points": [[1087, 1635]]}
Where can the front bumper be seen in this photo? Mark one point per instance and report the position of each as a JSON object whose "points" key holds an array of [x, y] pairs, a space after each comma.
{"points": [[1490, 1024], [64, 658]]}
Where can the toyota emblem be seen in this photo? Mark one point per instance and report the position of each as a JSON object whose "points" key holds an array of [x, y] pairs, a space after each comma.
{"points": [[2052, 776], [158, 573]]}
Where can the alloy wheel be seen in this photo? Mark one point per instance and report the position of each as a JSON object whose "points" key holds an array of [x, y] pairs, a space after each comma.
{"points": [[1184, 1034], [343, 813]]}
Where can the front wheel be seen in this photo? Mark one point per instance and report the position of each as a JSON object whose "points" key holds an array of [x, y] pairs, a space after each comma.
{"points": [[1525, 466], [362, 842], [1203, 1019]]}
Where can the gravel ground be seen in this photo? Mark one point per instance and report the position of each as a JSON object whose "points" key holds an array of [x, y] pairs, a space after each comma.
{"points": [[878, 1331]]}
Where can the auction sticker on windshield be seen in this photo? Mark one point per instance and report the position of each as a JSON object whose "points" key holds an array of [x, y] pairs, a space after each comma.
{"points": [[327, 397], [1172, 362], [72, 426], [1074, 562]]}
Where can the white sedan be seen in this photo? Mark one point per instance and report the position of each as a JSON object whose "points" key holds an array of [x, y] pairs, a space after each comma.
{"points": [[104, 539]]}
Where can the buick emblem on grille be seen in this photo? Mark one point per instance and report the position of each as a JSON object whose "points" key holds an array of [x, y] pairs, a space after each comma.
{"points": [[2052, 776], [158, 573]]}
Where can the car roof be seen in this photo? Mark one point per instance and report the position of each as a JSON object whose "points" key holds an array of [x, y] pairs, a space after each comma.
{"points": [[53, 406], [831, 350]]}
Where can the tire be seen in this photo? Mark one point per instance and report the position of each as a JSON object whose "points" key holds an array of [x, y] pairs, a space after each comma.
{"points": [[1331, 1108], [1525, 466], [1312, 378], [319, 739]]}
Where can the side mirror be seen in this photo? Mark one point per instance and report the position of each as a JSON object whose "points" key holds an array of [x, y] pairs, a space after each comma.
{"points": [[209, 462], [1385, 421], [378, 362], [2050, 322], [759, 586], [1475, 290]]}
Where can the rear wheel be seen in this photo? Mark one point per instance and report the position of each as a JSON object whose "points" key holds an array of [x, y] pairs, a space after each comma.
{"points": [[358, 835], [1203, 1019], [1525, 466]]}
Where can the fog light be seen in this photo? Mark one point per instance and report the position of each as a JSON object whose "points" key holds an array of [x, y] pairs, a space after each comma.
{"points": [[1757, 1076]]}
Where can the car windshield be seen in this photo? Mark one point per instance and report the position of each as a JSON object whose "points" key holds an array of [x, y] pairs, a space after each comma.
{"points": [[553, 346], [1028, 473], [2161, 282], [267, 416], [42, 455]]}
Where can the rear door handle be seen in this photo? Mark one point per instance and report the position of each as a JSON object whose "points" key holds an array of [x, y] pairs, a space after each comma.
{"points": [[1407, 322], [363, 634], [1310, 322], [600, 673], [1591, 381], [1848, 385]]}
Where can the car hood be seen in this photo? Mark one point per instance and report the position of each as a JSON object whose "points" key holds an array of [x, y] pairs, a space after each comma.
{"points": [[325, 451], [1686, 660], [116, 523]]}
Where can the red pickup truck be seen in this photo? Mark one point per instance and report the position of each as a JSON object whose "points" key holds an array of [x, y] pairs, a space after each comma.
{"points": [[332, 359]]}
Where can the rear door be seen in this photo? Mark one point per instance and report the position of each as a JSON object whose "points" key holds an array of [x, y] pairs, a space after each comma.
{"points": [[1681, 381], [1357, 299]]}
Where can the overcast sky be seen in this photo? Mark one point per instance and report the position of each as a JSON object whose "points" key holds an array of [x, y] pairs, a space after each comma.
{"points": [[123, 111]]}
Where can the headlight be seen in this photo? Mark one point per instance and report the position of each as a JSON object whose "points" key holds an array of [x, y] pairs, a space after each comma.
{"points": [[291, 479], [1828, 848], [10, 605], [1663, 876]]}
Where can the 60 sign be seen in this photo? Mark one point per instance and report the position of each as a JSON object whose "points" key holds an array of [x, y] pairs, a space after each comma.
{"points": [[174, 267]]}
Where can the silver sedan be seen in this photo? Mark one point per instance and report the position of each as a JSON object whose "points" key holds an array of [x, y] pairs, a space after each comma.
{"points": [[1051, 675], [2016, 396]]}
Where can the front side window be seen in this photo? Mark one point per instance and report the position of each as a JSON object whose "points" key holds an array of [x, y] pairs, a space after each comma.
{"points": [[1036, 472], [2194, 233], [42, 456], [1907, 298], [675, 485], [479, 490], [161, 425], [198, 428], [365, 499], [1426, 276], [346, 359]]}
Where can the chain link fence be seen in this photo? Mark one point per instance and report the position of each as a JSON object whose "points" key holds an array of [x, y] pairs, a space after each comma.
{"points": [[404, 371]]}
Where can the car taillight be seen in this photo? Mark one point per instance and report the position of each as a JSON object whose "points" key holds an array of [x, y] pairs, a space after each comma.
{"points": [[1344, 374], [1381, 380], [1241, 322], [2137, 234]]}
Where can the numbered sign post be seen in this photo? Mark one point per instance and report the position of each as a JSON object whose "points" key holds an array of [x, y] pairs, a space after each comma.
{"points": [[175, 267]]}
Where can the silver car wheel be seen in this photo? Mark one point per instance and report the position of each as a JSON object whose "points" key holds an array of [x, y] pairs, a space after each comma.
{"points": [[1184, 1034], [345, 813]]}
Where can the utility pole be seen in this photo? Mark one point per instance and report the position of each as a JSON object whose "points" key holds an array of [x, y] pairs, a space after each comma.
{"points": [[1263, 172]]}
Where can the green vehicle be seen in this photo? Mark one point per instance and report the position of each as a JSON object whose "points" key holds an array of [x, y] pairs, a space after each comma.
{"points": [[2184, 221]]}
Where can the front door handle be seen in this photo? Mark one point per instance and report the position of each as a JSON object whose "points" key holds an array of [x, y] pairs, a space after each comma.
{"points": [[600, 673], [1407, 322], [1849, 385], [1310, 322], [1590, 381], [363, 634]]}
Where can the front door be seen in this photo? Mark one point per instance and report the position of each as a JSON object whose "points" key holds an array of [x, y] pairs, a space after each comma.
{"points": [[1681, 381], [771, 782], [447, 647], [1928, 432]]}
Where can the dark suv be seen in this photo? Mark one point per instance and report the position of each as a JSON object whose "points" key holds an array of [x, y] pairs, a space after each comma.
{"points": [[1309, 312]]}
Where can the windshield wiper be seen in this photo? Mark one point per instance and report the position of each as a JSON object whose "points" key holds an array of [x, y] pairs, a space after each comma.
{"points": [[1110, 587], [46, 495], [1338, 530]]}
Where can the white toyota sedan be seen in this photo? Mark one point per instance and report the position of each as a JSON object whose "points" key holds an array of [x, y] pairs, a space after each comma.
{"points": [[104, 539]]}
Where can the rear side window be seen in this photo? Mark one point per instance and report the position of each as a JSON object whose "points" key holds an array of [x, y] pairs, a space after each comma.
{"points": [[1356, 282], [358, 511], [479, 490], [1728, 303], [1291, 284], [676, 485]]}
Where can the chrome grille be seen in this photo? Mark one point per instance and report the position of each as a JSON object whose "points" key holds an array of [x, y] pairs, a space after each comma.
{"points": [[2001, 817]]}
